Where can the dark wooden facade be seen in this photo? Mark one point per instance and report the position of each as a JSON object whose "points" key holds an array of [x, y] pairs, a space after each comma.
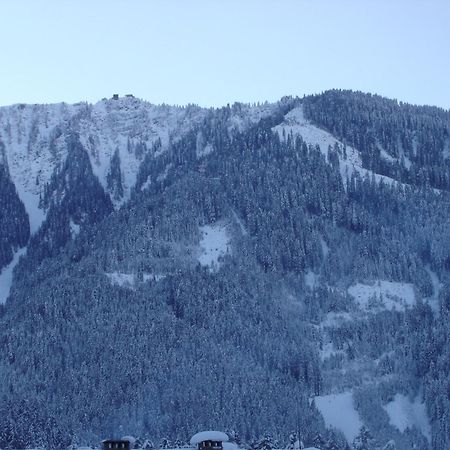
{"points": [[210, 445], [113, 444]]}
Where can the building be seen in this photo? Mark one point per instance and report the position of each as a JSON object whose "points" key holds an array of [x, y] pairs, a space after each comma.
{"points": [[110, 444], [209, 440], [115, 96]]}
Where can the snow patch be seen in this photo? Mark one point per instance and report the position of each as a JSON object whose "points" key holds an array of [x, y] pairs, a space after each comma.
{"points": [[6, 275], [386, 156], [325, 248], [121, 279], [74, 228], [214, 243], [383, 294], [30, 200], [129, 280], [433, 301], [311, 279], [147, 183], [206, 150], [153, 277], [447, 149], [404, 413], [339, 412], [240, 223], [162, 176]]}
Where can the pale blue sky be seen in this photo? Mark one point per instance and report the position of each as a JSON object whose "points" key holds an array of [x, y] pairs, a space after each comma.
{"points": [[212, 52]]}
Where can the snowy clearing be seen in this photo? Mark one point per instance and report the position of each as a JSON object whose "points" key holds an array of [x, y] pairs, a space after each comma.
{"points": [[404, 413], [129, 280], [6, 275], [214, 243], [121, 279], [383, 295], [338, 412]]}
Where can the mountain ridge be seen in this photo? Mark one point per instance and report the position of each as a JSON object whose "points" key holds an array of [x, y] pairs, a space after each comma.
{"points": [[322, 258]]}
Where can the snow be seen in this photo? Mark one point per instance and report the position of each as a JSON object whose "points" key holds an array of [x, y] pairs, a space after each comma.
{"points": [[433, 301], [130, 439], [121, 279], [328, 350], [214, 243], [153, 277], [383, 294], [206, 150], [311, 279], [146, 183], [240, 223], [325, 248], [162, 176], [447, 149], [6, 276], [386, 156], [230, 446], [129, 280], [296, 123], [404, 413], [35, 140], [31, 202], [208, 436], [339, 412], [74, 228]]}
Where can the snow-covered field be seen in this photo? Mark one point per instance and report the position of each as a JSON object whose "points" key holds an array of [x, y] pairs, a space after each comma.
{"points": [[404, 413], [383, 295], [338, 412], [214, 243]]}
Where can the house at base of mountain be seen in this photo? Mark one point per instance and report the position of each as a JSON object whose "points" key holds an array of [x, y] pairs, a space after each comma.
{"points": [[209, 440], [116, 444]]}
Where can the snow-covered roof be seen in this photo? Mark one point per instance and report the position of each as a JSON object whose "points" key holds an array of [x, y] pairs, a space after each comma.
{"points": [[208, 436], [230, 446]]}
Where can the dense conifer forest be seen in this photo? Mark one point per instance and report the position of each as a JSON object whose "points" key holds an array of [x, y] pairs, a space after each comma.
{"points": [[115, 324]]}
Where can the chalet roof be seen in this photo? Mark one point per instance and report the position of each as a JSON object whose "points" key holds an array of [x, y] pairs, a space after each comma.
{"points": [[208, 436]]}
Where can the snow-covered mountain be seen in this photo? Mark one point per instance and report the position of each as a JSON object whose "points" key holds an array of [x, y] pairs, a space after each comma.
{"points": [[259, 267], [34, 138]]}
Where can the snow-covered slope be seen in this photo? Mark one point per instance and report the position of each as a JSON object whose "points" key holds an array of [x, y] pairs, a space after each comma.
{"points": [[339, 412], [34, 137], [349, 159], [6, 276]]}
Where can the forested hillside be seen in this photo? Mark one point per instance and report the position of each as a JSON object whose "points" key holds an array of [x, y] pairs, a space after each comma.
{"points": [[234, 268]]}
